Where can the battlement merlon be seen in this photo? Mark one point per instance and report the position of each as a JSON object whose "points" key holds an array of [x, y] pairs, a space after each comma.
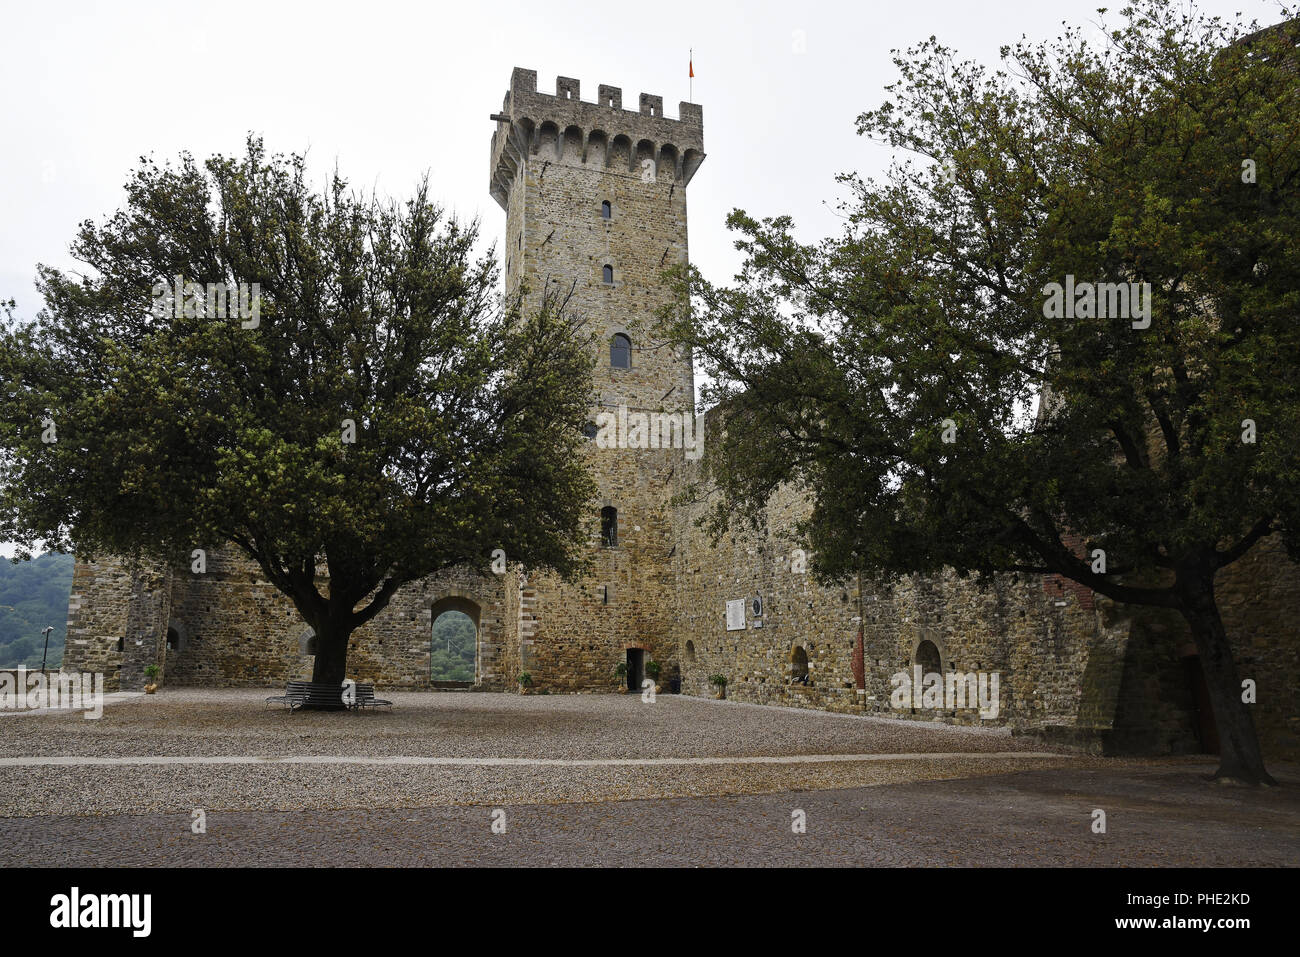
{"points": [[561, 127]]}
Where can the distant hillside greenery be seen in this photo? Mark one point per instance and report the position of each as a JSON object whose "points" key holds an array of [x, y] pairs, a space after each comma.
{"points": [[32, 595], [454, 644]]}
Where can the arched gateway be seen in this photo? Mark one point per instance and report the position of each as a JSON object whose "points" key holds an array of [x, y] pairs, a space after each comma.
{"points": [[454, 659]]}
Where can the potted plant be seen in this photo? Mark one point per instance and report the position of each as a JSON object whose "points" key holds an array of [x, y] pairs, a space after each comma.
{"points": [[719, 682], [151, 672], [620, 675], [652, 669], [525, 682]]}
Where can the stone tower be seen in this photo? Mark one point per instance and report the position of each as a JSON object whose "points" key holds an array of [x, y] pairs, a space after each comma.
{"points": [[595, 201]]}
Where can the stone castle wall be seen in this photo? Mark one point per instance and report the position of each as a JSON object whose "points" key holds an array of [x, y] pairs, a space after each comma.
{"points": [[229, 628], [117, 620], [1073, 666]]}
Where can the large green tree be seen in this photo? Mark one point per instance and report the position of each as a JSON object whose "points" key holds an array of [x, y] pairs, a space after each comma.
{"points": [[917, 377], [371, 413]]}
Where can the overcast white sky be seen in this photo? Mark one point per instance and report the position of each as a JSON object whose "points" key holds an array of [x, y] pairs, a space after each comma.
{"points": [[391, 89]]}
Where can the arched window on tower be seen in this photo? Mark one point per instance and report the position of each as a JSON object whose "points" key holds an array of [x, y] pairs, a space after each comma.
{"points": [[620, 351], [609, 526], [605, 210], [607, 274]]}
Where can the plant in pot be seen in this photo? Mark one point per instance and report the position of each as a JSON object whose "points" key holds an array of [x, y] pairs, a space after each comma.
{"points": [[652, 669], [525, 682], [620, 675], [151, 673], [719, 682]]}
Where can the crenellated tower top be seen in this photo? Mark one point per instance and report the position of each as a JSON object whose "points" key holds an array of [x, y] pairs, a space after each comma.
{"points": [[561, 127]]}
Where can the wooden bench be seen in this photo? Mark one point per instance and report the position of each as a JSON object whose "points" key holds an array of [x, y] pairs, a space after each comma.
{"points": [[295, 691], [310, 694], [366, 698]]}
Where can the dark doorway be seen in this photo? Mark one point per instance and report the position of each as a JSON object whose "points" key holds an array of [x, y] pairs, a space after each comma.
{"points": [[635, 668], [1207, 735], [927, 656]]}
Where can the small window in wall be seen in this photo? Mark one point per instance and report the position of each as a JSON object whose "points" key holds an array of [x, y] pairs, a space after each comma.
{"points": [[609, 526], [173, 640], [607, 274], [605, 210], [121, 644], [690, 652], [590, 430], [620, 351]]}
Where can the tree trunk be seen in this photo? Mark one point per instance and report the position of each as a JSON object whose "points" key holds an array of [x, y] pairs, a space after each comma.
{"points": [[1240, 761], [331, 665]]}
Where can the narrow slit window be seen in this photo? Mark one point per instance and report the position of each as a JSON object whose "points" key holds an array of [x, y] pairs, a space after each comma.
{"points": [[608, 275], [605, 210], [609, 526]]}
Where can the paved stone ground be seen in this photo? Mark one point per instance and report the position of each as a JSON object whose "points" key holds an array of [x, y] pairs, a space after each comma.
{"points": [[188, 724], [1157, 816], [235, 721], [418, 788]]}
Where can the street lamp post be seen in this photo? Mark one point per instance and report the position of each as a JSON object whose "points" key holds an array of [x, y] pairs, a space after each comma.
{"points": [[45, 654]]}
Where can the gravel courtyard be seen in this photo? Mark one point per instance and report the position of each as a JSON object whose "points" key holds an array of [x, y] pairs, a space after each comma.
{"points": [[278, 787]]}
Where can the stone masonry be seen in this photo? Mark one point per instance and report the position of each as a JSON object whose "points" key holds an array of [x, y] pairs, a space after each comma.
{"points": [[595, 203]]}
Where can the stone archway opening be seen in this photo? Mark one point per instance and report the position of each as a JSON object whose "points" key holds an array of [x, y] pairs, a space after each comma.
{"points": [[177, 639], [927, 656], [453, 642]]}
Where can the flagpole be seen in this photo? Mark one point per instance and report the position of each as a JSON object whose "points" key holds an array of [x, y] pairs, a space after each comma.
{"points": [[690, 89]]}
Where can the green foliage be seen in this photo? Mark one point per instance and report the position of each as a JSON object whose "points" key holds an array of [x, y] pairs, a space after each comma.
{"points": [[175, 433], [837, 364], [846, 366], [151, 671], [34, 594], [525, 679], [718, 680], [652, 669], [455, 644]]}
